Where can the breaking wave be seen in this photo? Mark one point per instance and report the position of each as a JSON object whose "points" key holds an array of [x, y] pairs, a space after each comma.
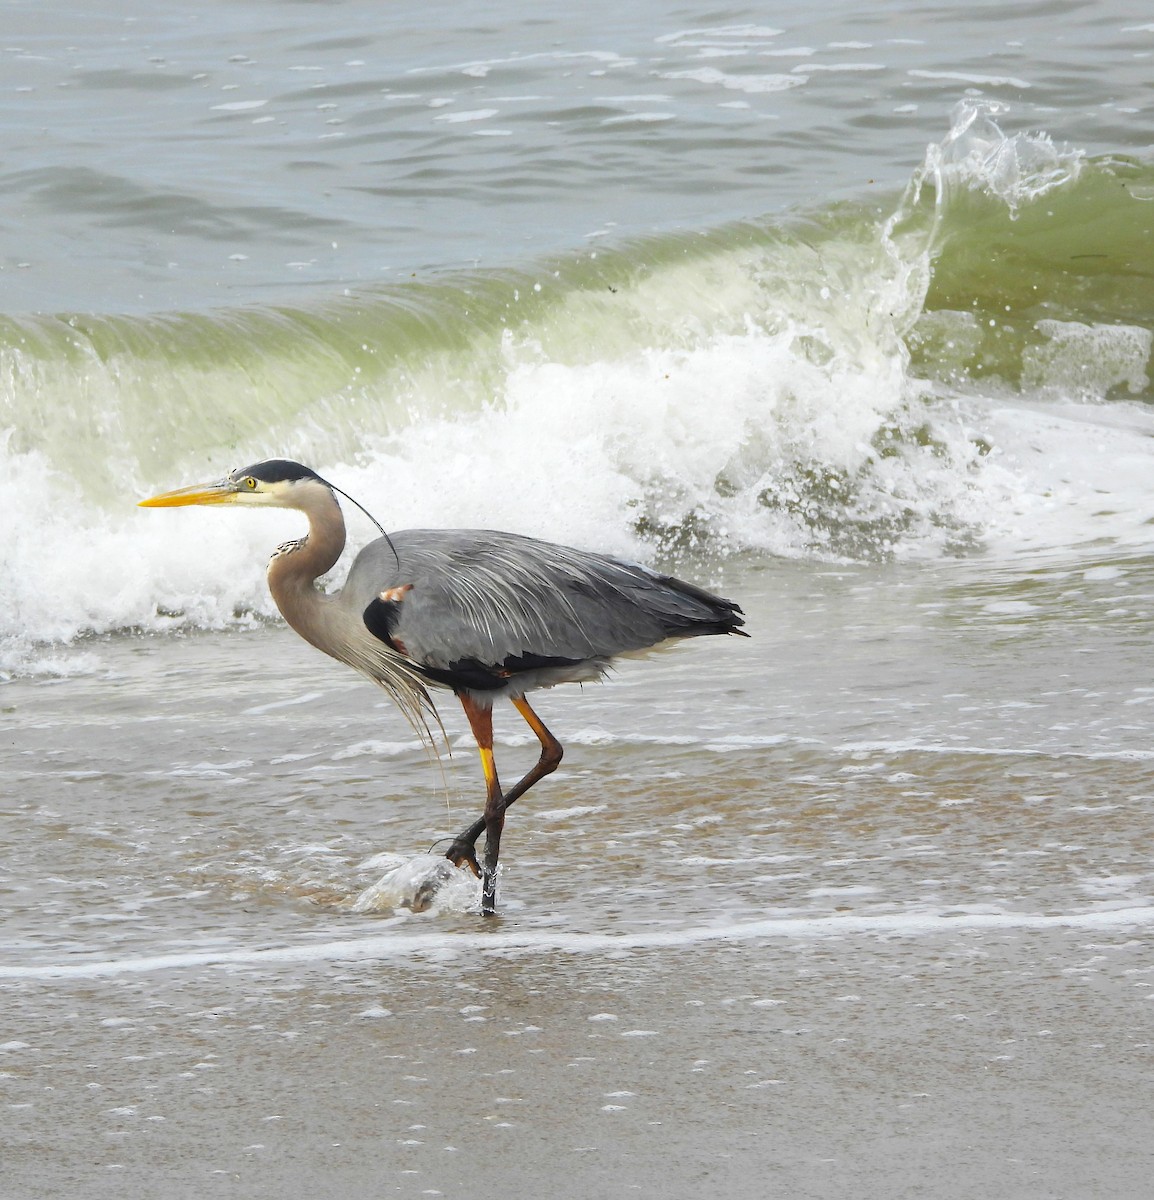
{"points": [[960, 368]]}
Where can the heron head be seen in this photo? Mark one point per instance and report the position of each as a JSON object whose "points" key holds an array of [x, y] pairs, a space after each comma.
{"points": [[273, 483]]}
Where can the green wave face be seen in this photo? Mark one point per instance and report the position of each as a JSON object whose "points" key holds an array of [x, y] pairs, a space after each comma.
{"points": [[1046, 283], [1057, 293]]}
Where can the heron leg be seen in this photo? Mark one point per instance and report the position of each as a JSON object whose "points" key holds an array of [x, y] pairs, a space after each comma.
{"points": [[551, 752], [463, 848]]}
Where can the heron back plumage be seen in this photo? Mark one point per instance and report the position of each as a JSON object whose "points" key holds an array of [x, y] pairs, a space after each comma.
{"points": [[484, 610]]}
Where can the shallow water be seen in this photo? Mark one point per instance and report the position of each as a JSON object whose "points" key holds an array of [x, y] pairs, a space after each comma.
{"points": [[797, 906], [880, 723]]}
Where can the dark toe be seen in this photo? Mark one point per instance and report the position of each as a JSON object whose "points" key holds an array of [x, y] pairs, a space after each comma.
{"points": [[461, 854]]}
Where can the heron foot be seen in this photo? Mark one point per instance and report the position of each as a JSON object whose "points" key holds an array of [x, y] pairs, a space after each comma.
{"points": [[464, 854]]}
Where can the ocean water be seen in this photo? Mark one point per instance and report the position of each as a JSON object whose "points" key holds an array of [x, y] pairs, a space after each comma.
{"points": [[847, 315]]}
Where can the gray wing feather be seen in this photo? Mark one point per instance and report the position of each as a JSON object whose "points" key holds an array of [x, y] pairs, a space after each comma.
{"points": [[490, 596]]}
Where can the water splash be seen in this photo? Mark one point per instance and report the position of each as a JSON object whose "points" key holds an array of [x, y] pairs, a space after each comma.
{"points": [[427, 881]]}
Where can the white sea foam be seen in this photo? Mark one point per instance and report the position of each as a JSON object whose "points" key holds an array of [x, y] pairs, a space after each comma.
{"points": [[592, 447], [399, 941], [744, 407], [757, 84]]}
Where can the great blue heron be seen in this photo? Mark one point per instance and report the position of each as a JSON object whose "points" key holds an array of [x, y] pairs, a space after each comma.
{"points": [[482, 613]]}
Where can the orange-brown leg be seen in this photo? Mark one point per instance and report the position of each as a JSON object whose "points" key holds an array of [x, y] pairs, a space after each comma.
{"points": [[551, 752], [463, 848]]}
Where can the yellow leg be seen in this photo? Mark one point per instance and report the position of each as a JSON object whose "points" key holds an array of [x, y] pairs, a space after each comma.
{"points": [[481, 722]]}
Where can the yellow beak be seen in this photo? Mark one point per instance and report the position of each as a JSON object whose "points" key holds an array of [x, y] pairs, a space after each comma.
{"points": [[200, 493]]}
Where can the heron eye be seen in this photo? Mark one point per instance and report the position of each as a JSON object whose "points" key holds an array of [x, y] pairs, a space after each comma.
{"points": [[250, 483]]}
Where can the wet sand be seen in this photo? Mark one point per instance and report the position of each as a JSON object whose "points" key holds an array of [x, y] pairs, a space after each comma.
{"points": [[954, 1064]]}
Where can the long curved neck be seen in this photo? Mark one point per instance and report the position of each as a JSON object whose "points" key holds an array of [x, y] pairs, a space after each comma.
{"points": [[295, 567]]}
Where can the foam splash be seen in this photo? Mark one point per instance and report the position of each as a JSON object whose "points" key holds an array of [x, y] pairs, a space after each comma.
{"points": [[426, 881], [399, 943], [70, 569], [978, 156]]}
